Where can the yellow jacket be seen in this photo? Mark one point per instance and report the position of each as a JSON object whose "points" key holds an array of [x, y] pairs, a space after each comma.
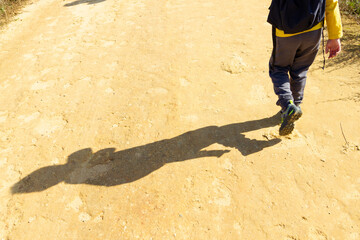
{"points": [[332, 18]]}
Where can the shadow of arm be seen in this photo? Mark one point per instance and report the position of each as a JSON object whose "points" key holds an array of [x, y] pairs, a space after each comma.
{"points": [[251, 125]]}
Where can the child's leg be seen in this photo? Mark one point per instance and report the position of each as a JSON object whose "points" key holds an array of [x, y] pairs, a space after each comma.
{"points": [[285, 51], [304, 57]]}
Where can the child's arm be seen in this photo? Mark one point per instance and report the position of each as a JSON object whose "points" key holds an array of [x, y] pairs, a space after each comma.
{"points": [[333, 22]]}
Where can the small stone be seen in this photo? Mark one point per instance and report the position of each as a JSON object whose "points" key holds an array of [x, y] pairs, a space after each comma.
{"points": [[31, 219], [84, 217], [234, 65], [99, 218], [109, 90]]}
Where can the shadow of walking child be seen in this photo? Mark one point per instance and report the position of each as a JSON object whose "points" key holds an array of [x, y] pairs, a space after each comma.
{"points": [[108, 167]]}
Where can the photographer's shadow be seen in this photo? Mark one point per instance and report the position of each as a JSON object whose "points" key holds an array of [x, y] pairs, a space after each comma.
{"points": [[108, 167]]}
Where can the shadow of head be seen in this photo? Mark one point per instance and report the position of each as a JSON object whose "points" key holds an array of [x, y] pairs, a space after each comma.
{"points": [[49, 176], [89, 2]]}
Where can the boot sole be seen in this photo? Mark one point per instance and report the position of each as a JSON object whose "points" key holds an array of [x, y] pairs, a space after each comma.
{"points": [[288, 124]]}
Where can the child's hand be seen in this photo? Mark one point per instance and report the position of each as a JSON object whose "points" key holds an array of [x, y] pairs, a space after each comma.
{"points": [[334, 47]]}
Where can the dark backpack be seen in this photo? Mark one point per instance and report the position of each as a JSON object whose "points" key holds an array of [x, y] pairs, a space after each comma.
{"points": [[293, 16]]}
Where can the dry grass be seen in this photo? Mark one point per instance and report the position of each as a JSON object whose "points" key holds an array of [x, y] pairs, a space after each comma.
{"points": [[350, 42], [353, 6], [350, 8], [9, 9]]}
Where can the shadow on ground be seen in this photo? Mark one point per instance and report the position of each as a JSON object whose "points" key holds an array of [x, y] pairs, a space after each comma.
{"points": [[108, 167], [83, 1]]}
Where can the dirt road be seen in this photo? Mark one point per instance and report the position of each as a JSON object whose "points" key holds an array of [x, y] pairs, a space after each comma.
{"points": [[157, 120]]}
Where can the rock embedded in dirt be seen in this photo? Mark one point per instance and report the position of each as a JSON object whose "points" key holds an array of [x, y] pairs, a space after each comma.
{"points": [[84, 217], [233, 65]]}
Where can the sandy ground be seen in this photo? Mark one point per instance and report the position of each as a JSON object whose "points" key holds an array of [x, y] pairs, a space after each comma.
{"points": [[157, 120]]}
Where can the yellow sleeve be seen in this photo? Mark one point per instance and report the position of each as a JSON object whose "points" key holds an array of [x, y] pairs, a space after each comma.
{"points": [[333, 19]]}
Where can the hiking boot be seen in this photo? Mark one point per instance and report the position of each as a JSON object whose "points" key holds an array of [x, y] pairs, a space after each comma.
{"points": [[288, 117]]}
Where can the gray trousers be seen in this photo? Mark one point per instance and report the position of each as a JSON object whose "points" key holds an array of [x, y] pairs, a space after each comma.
{"points": [[289, 64]]}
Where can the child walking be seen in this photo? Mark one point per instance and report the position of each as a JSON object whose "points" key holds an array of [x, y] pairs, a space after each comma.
{"points": [[297, 30]]}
